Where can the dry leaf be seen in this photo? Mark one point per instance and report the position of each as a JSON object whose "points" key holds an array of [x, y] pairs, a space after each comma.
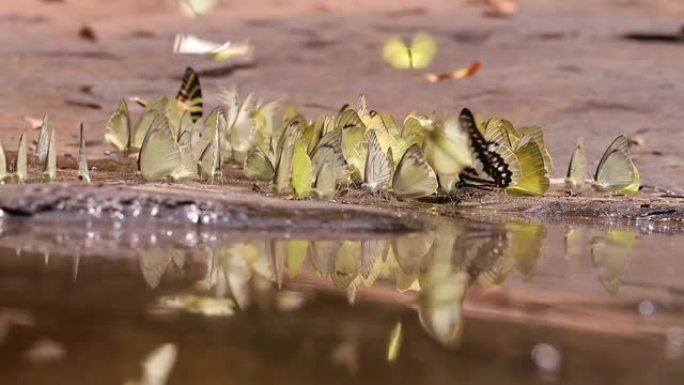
{"points": [[501, 8], [457, 74]]}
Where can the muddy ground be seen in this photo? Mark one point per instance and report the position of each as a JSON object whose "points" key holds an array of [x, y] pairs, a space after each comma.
{"points": [[563, 65]]}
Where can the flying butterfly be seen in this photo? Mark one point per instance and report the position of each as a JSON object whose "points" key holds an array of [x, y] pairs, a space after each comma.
{"points": [[413, 178], [446, 148], [577, 169], [160, 154], [194, 8], [83, 173], [418, 55], [616, 171], [189, 44]]}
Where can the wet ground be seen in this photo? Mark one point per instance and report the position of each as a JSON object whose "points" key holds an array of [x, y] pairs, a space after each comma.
{"points": [[251, 288], [88, 290]]}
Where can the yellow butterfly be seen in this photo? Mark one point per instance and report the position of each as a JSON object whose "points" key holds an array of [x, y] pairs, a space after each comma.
{"points": [[418, 55], [160, 154], [413, 178], [301, 170], [447, 148], [21, 161], [118, 129], [533, 180], [616, 171], [577, 169]]}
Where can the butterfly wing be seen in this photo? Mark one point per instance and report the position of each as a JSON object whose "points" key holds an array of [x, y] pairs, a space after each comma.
{"points": [[577, 169], [413, 178], [378, 167], [21, 160], [615, 170], [258, 165], [118, 128], [43, 141], [83, 173], [396, 53], [160, 154], [447, 148], [50, 165], [538, 136], [423, 50], [500, 165], [534, 180], [301, 170], [190, 94]]}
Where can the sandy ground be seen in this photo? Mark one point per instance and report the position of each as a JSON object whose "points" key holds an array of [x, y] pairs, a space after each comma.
{"points": [[561, 65]]}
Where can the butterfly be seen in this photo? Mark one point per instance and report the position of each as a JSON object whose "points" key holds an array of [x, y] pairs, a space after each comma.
{"points": [[83, 173], [283, 174], [533, 180], [194, 8], [379, 164], [491, 169], [418, 55], [189, 44], [325, 185], [447, 148], [302, 172], [50, 166], [21, 161], [118, 129], [160, 154], [413, 178], [577, 169], [616, 171], [43, 141], [190, 94], [3, 164]]}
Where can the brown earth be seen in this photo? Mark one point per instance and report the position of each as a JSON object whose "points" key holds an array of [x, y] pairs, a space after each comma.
{"points": [[562, 65]]}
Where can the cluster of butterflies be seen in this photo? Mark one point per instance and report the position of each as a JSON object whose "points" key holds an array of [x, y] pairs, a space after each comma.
{"points": [[45, 156], [357, 147], [616, 172]]}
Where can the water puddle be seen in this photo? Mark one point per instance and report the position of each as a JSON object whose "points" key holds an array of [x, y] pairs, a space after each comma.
{"points": [[466, 301]]}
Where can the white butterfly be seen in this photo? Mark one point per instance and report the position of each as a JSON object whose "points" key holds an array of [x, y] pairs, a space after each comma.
{"points": [[192, 45]]}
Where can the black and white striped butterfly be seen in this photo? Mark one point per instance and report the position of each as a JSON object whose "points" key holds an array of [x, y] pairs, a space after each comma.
{"points": [[490, 169]]}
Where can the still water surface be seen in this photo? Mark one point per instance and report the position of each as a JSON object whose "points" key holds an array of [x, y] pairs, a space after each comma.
{"points": [[469, 301]]}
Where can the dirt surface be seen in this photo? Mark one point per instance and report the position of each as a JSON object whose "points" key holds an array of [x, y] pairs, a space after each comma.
{"points": [[563, 65]]}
